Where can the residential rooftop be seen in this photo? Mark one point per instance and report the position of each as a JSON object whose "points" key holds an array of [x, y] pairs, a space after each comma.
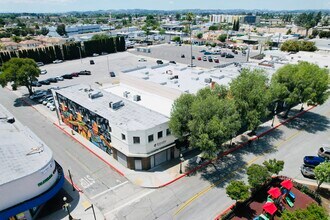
{"points": [[21, 151]]}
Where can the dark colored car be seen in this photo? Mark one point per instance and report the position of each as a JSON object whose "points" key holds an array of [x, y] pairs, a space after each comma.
{"points": [[229, 55], [223, 54], [208, 53], [35, 84], [112, 74], [85, 72], [75, 74], [52, 80], [193, 57], [44, 82], [313, 161], [67, 76], [172, 61], [159, 62], [183, 56], [202, 51], [91, 62]]}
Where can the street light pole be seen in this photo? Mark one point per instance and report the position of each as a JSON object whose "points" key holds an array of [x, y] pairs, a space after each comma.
{"points": [[181, 161], [191, 59], [66, 206], [73, 189]]}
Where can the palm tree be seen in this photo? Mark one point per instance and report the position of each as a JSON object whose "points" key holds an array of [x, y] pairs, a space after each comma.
{"points": [[190, 17]]}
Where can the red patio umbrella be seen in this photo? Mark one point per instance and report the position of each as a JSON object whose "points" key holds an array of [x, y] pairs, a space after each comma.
{"points": [[275, 192], [287, 184], [270, 208]]}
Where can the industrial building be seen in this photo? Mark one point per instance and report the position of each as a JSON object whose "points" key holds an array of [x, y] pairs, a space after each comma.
{"points": [[29, 175]]}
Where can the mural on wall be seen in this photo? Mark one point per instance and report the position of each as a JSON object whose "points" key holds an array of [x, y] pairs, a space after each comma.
{"points": [[91, 126]]}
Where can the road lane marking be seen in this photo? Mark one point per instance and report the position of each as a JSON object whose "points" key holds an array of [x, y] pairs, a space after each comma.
{"points": [[130, 202], [108, 190], [199, 194], [87, 181]]}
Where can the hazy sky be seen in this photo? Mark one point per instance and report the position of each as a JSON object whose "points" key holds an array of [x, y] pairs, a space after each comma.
{"points": [[84, 5]]}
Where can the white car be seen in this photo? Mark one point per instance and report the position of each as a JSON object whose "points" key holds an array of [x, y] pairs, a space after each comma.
{"points": [[50, 103], [59, 78], [52, 107], [58, 61], [43, 72], [307, 171], [95, 54], [142, 60], [47, 100]]}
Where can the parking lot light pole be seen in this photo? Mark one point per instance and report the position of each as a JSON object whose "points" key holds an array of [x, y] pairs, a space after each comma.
{"points": [[73, 189]]}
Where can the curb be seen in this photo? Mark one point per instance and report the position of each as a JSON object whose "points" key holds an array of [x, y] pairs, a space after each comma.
{"points": [[73, 184], [236, 148], [90, 150], [218, 217]]}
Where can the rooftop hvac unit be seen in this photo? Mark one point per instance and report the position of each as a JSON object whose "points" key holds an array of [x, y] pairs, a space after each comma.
{"points": [[125, 94], [137, 98], [207, 80], [94, 95], [116, 105]]}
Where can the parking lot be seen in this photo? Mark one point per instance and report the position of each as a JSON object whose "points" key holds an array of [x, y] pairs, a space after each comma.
{"points": [[173, 52]]}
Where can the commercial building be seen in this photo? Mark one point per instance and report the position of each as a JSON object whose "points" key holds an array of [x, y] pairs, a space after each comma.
{"points": [[137, 136], [29, 175], [222, 18]]}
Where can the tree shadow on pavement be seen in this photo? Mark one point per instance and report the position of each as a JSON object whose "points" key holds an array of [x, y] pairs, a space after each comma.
{"points": [[24, 101], [310, 122]]}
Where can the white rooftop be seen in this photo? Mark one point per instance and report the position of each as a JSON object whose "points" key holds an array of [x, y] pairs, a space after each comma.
{"points": [[130, 117], [21, 152]]}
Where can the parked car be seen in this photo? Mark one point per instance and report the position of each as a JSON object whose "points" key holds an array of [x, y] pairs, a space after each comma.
{"points": [[59, 78], [313, 160], [223, 54], [112, 74], [159, 62], [40, 63], [204, 58], [85, 72], [210, 59], [75, 74], [38, 94], [208, 53], [50, 103], [216, 60], [58, 61], [104, 53], [67, 76], [172, 61], [202, 51], [199, 58], [35, 84], [183, 56], [52, 80], [91, 62], [193, 57], [142, 60], [52, 107], [324, 152], [45, 101], [42, 99], [228, 55], [96, 54], [43, 72], [307, 171], [44, 82]]}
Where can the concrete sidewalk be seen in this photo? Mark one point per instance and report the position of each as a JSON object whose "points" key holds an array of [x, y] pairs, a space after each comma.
{"points": [[169, 172]]}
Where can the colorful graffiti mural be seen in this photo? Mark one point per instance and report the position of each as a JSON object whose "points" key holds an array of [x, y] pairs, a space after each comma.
{"points": [[88, 124]]}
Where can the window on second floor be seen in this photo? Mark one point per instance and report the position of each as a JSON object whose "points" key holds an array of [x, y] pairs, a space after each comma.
{"points": [[150, 138], [136, 140], [168, 132], [123, 137], [160, 134]]}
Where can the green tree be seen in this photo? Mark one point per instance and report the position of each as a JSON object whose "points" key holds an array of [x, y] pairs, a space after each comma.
{"points": [[177, 16], [322, 173], [274, 166], [289, 31], [61, 29], [222, 37], [238, 190], [214, 120], [100, 37], [176, 39], [20, 72], [162, 31], [200, 35], [213, 28], [257, 175], [252, 97], [180, 116], [16, 39], [307, 20], [300, 83], [312, 212], [44, 31]]}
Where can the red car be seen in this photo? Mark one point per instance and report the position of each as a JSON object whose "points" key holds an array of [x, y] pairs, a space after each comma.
{"points": [[75, 74], [199, 58]]}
